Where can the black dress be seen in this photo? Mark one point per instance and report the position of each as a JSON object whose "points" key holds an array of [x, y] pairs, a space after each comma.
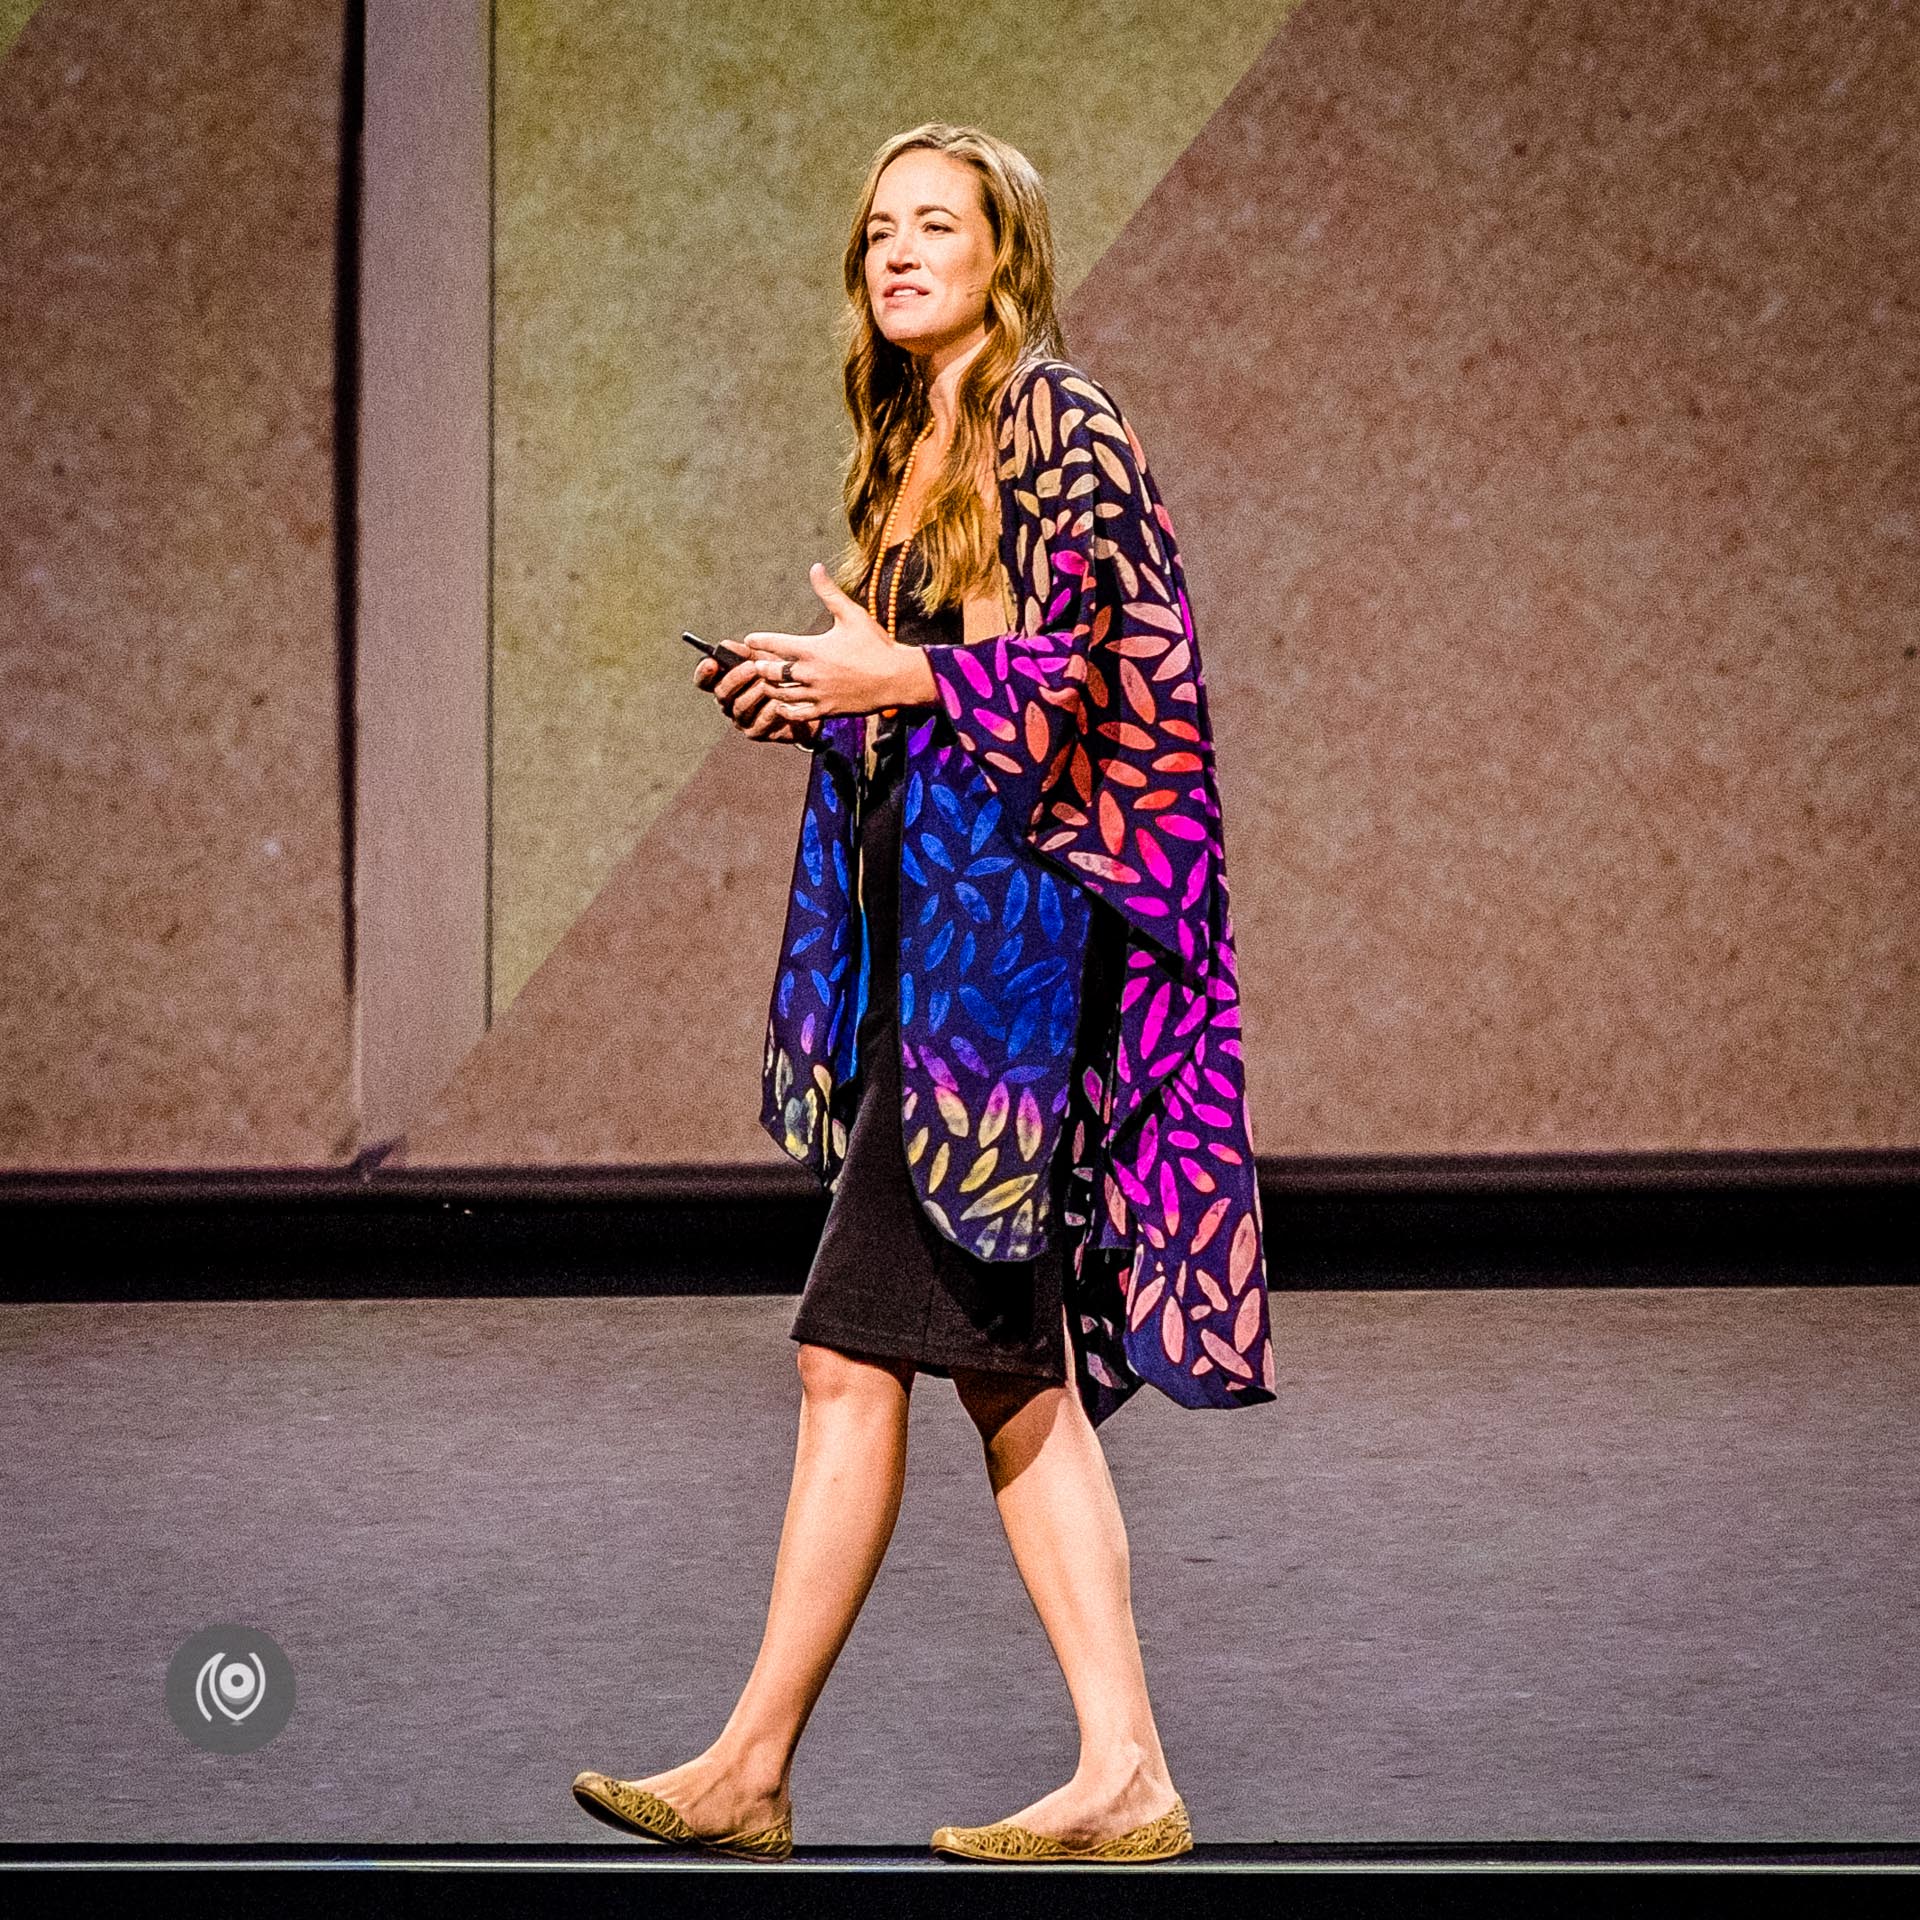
{"points": [[884, 1279]]}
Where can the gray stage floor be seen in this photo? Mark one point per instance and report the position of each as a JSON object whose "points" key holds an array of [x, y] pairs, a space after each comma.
{"points": [[1553, 1564]]}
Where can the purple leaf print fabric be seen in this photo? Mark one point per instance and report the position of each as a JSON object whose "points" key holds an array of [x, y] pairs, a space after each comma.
{"points": [[1068, 763]]}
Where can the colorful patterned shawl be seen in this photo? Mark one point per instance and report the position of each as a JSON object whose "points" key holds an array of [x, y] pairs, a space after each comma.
{"points": [[1067, 773]]}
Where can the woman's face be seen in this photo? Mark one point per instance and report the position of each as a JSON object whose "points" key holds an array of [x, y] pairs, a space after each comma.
{"points": [[929, 252]]}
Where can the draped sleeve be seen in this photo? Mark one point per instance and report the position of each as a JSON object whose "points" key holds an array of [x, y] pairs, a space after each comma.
{"points": [[1089, 721]]}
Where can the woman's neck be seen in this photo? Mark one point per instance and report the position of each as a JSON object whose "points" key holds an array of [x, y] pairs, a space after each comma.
{"points": [[943, 369]]}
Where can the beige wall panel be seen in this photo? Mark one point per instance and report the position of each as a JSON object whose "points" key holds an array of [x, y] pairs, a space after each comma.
{"points": [[674, 186], [1534, 391], [172, 987]]}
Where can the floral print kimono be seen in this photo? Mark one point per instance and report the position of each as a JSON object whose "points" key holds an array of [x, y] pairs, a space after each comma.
{"points": [[1069, 761]]}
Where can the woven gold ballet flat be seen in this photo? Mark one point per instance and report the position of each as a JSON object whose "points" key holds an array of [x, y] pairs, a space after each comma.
{"points": [[1160, 1838], [631, 1808]]}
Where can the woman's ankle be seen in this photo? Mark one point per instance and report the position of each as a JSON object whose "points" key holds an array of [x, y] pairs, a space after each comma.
{"points": [[759, 1767], [1117, 1764]]}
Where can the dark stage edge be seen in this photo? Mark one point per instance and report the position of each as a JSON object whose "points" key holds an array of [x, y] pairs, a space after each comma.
{"points": [[1224, 1880], [1376, 1221]]}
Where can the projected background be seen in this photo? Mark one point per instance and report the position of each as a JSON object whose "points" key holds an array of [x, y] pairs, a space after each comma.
{"points": [[1523, 382], [1534, 390]]}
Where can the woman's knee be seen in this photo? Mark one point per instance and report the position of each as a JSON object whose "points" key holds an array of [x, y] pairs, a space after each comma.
{"points": [[831, 1373]]}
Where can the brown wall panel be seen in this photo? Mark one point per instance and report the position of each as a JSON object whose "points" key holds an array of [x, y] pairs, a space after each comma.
{"points": [[1538, 413], [172, 967]]}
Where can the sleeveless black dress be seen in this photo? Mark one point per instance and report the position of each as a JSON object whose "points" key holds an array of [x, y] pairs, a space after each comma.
{"points": [[884, 1279]]}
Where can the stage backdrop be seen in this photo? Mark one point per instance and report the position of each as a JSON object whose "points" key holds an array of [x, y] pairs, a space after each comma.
{"points": [[1534, 393]]}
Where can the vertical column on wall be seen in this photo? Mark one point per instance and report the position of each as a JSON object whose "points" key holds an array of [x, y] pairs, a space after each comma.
{"points": [[421, 649]]}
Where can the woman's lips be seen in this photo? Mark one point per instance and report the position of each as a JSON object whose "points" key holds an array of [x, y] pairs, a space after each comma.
{"points": [[904, 293]]}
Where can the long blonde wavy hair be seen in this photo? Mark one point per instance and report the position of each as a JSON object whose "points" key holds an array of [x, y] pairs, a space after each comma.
{"points": [[886, 388]]}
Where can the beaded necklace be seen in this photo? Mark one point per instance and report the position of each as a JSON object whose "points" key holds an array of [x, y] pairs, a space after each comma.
{"points": [[886, 540], [892, 621]]}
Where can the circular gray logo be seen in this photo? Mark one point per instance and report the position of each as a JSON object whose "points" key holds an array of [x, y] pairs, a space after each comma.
{"points": [[230, 1689]]}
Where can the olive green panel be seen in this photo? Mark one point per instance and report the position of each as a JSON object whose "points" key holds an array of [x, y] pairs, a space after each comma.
{"points": [[673, 191], [14, 15]]}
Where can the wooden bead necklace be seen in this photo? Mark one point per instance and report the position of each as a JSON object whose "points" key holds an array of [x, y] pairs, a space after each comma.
{"points": [[892, 621], [886, 540]]}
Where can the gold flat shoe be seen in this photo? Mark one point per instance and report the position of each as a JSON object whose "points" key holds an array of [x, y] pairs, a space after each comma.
{"points": [[631, 1808], [1160, 1838]]}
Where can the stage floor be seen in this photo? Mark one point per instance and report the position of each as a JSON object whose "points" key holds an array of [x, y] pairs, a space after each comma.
{"points": [[1527, 1564]]}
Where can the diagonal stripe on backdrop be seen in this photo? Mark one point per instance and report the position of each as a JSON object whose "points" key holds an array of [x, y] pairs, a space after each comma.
{"points": [[14, 15], [672, 192]]}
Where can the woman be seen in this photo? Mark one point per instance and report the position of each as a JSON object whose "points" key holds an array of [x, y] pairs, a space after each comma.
{"points": [[1005, 1026]]}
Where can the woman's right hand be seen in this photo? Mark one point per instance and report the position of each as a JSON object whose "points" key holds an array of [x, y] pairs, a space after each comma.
{"points": [[744, 695]]}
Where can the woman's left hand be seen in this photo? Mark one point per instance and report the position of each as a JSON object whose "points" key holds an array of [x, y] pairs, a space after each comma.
{"points": [[851, 668]]}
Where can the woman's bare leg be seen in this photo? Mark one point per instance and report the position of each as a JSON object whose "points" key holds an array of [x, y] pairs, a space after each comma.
{"points": [[1063, 1521], [848, 1471]]}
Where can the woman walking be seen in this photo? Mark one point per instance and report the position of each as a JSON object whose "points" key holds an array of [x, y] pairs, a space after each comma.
{"points": [[1005, 1025]]}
